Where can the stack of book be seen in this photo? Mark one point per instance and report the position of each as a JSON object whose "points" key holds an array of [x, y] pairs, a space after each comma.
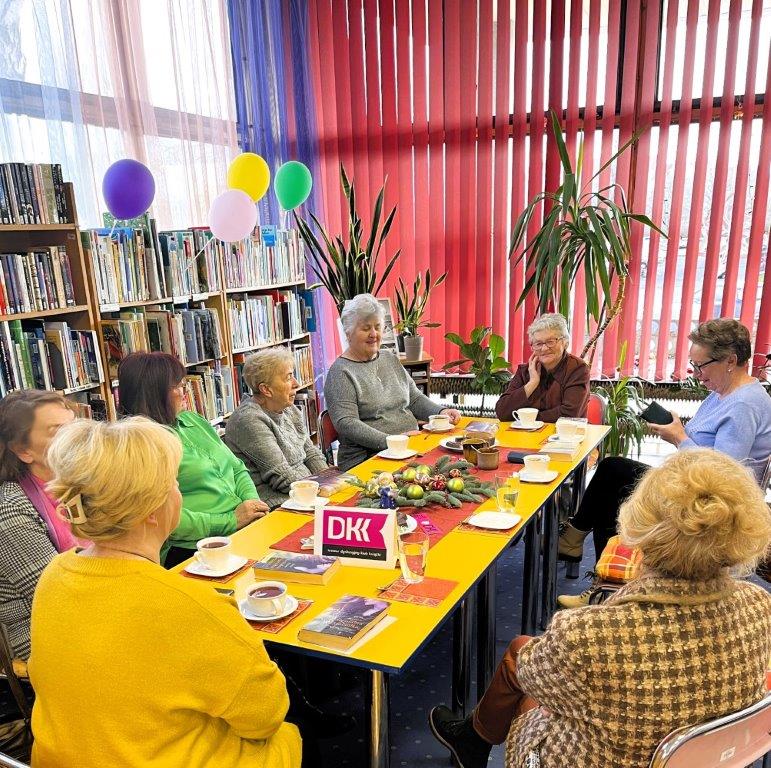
{"points": [[36, 281], [253, 263], [303, 364], [47, 355], [32, 194], [266, 319]]}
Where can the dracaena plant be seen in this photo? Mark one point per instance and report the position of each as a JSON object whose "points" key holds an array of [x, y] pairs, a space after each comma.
{"points": [[584, 230], [347, 264], [411, 307], [483, 357]]}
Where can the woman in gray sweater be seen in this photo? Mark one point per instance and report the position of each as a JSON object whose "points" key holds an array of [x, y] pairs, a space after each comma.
{"points": [[267, 432], [368, 393]]}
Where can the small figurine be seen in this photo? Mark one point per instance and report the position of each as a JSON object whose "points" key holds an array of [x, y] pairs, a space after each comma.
{"points": [[387, 498]]}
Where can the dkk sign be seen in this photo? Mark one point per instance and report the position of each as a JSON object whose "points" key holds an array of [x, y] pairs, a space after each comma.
{"points": [[347, 529], [356, 536]]}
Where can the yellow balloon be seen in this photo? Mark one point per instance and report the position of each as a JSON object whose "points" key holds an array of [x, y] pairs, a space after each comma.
{"points": [[249, 173]]}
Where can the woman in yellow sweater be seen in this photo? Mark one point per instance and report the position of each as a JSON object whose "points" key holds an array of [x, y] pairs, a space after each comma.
{"points": [[133, 665]]}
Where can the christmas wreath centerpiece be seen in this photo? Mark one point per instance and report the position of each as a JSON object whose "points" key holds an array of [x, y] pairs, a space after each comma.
{"points": [[447, 483]]}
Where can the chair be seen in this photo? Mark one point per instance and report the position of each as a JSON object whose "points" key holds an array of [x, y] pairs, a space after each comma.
{"points": [[11, 670], [8, 762], [733, 741], [596, 408], [327, 435]]}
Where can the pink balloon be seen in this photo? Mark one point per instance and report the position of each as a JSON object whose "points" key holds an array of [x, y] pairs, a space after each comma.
{"points": [[232, 215]]}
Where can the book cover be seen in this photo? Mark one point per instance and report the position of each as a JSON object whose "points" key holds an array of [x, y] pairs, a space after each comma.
{"points": [[300, 567], [331, 481], [344, 622]]}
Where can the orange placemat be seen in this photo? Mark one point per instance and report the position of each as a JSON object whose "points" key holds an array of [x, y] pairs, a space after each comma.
{"points": [[429, 592], [272, 627], [220, 579]]}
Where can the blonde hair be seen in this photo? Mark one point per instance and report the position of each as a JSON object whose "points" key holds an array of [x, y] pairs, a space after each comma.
{"points": [[110, 476], [697, 514], [260, 368]]}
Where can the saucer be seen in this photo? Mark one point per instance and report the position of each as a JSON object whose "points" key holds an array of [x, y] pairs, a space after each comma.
{"points": [[397, 455], [526, 427], [296, 506], [495, 521], [410, 524], [546, 477], [235, 562], [246, 611], [429, 428]]}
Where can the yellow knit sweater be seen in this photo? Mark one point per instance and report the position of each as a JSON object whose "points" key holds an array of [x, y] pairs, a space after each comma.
{"points": [[135, 666]]}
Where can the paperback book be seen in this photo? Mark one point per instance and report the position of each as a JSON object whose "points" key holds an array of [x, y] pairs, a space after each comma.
{"points": [[345, 622], [301, 568]]}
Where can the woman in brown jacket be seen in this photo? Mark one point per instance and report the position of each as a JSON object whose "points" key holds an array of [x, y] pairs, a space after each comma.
{"points": [[684, 643]]}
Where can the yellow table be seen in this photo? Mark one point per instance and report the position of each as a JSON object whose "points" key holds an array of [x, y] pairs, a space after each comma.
{"points": [[465, 557]]}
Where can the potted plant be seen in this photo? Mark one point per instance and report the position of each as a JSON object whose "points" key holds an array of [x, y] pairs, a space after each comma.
{"points": [[347, 264], [410, 310], [582, 230], [483, 354]]}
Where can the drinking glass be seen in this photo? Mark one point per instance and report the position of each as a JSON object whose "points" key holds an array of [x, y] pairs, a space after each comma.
{"points": [[413, 551], [507, 492]]}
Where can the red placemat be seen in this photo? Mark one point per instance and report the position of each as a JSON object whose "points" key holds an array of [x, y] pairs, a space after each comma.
{"points": [[220, 579], [429, 592], [272, 627]]}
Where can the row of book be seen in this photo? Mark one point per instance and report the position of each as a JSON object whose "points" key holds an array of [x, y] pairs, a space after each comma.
{"points": [[307, 402], [47, 355], [270, 257], [266, 319], [303, 364], [191, 335], [36, 281], [190, 261], [32, 193]]}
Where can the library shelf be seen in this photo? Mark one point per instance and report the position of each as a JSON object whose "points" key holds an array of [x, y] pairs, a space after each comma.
{"points": [[200, 362], [307, 385], [82, 388], [270, 344], [129, 304], [37, 228], [45, 313], [274, 286]]}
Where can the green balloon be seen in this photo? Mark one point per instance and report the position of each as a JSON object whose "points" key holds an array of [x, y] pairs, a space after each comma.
{"points": [[292, 184]]}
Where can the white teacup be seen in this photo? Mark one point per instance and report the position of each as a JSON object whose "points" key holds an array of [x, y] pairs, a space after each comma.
{"points": [[304, 492], [526, 416], [566, 428], [213, 552], [439, 421], [536, 464], [267, 598], [397, 443]]}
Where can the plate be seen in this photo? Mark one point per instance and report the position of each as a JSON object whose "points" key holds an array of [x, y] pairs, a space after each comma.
{"points": [[526, 427], [495, 521], [246, 611], [410, 524], [199, 569], [297, 507], [428, 428], [397, 455], [546, 477]]}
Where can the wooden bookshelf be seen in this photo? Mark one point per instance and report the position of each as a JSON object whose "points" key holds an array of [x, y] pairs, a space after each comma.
{"points": [[26, 238]]}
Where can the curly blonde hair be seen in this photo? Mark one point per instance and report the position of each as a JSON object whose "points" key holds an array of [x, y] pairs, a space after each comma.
{"points": [[697, 514], [110, 476]]}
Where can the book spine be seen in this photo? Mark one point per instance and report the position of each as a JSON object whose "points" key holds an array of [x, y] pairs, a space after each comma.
{"points": [[7, 174], [38, 193], [69, 286], [61, 199], [5, 201], [29, 191], [20, 197]]}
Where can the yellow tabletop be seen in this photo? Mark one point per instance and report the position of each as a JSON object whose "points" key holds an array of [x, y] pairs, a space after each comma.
{"points": [[461, 556]]}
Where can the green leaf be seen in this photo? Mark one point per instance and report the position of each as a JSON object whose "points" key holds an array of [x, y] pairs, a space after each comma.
{"points": [[454, 339], [496, 345]]}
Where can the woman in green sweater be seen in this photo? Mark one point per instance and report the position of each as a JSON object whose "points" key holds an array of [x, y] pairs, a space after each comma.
{"points": [[218, 495]]}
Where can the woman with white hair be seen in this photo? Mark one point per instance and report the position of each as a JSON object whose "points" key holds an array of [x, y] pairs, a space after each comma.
{"points": [[552, 380], [267, 431], [369, 394]]}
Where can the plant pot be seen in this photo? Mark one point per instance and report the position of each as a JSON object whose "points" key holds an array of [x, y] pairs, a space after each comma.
{"points": [[413, 347], [400, 343]]}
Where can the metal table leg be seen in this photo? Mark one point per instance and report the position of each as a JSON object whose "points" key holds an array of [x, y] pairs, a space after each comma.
{"points": [[549, 574], [530, 576], [579, 483], [461, 657], [485, 630], [378, 719]]}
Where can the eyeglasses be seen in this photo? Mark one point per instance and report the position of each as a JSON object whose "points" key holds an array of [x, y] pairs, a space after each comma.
{"points": [[699, 367], [548, 344]]}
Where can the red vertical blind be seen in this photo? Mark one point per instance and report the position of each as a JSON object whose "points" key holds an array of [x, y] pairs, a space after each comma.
{"points": [[449, 100]]}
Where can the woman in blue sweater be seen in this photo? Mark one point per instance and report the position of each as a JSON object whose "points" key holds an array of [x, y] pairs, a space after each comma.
{"points": [[735, 419]]}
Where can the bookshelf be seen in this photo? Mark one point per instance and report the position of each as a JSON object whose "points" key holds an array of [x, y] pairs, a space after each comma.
{"points": [[47, 320]]}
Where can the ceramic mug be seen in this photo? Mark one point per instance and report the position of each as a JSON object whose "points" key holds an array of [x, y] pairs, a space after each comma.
{"points": [[397, 443], [525, 416], [213, 552], [304, 492], [439, 421], [267, 598], [488, 458]]}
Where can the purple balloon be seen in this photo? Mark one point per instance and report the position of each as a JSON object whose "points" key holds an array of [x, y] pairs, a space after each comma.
{"points": [[128, 188], [232, 216]]}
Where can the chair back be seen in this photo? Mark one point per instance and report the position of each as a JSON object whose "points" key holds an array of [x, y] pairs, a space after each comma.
{"points": [[595, 410], [8, 672], [6, 761], [765, 478], [327, 435], [733, 741]]}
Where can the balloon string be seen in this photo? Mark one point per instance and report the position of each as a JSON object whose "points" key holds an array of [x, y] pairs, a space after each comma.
{"points": [[193, 260], [114, 223]]}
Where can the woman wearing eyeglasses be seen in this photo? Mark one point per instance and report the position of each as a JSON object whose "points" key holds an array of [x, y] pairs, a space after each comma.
{"points": [[552, 380], [735, 419]]}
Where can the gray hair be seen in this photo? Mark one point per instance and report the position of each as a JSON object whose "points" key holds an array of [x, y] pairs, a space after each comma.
{"points": [[551, 321], [358, 310], [261, 367]]}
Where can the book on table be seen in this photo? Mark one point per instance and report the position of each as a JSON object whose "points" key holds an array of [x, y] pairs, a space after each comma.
{"points": [[331, 481], [299, 567], [562, 450], [345, 622]]}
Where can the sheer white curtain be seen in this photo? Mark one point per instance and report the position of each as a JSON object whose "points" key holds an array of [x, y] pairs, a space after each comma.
{"points": [[87, 82]]}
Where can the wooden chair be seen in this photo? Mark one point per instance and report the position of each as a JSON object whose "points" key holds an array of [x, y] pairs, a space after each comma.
{"points": [[327, 435], [14, 672], [733, 741]]}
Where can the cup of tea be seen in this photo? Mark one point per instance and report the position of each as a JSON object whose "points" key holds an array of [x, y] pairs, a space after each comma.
{"points": [[567, 429], [213, 552], [488, 458], [471, 447], [439, 422], [525, 416], [304, 492], [397, 443], [536, 464], [267, 598]]}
